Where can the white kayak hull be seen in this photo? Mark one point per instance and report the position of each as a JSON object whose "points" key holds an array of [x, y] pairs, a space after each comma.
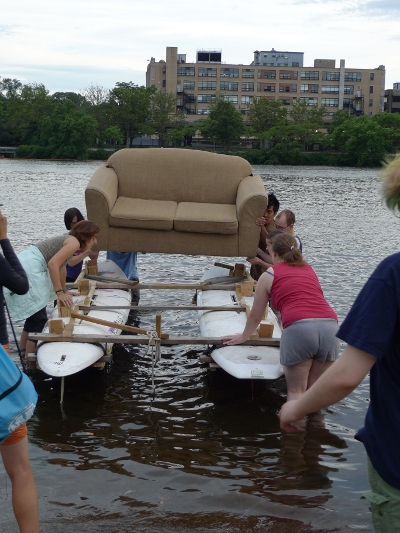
{"points": [[242, 362], [60, 359]]}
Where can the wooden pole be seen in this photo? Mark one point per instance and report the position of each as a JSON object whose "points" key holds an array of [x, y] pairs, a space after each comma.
{"points": [[142, 339], [113, 280], [113, 324], [158, 326], [161, 286], [164, 308]]}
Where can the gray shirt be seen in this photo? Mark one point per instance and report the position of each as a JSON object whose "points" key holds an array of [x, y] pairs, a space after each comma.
{"points": [[49, 247]]}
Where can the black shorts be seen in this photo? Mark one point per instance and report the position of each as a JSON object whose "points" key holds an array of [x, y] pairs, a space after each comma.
{"points": [[36, 322]]}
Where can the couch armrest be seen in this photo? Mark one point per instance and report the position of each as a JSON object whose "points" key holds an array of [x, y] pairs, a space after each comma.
{"points": [[251, 203], [101, 194]]}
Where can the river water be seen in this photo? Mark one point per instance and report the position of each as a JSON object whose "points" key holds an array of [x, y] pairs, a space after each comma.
{"points": [[205, 452]]}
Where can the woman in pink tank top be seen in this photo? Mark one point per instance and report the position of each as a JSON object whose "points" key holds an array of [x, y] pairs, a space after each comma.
{"points": [[309, 344]]}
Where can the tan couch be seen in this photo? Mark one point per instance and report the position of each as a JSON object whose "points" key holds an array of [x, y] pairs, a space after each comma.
{"points": [[176, 201]]}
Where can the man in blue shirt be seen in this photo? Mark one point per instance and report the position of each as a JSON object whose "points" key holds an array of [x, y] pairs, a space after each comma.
{"points": [[372, 331]]}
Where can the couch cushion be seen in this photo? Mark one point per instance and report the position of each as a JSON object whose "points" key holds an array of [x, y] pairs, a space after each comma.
{"points": [[206, 218], [143, 214]]}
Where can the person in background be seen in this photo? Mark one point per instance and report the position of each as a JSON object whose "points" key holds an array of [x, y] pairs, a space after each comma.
{"points": [[308, 344], [263, 260], [127, 262], [372, 332], [14, 449], [45, 265], [74, 266], [285, 222]]}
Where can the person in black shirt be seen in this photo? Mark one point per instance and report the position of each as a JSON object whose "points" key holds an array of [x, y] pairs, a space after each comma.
{"points": [[14, 450], [12, 276]]}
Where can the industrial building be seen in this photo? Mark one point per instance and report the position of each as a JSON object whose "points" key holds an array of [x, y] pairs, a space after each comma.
{"points": [[273, 74]]}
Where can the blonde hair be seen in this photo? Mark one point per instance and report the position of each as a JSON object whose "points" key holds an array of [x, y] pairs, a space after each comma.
{"points": [[391, 184], [285, 246]]}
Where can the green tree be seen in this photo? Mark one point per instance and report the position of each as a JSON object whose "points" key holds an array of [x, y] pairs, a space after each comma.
{"points": [[391, 122], [68, 132], [265, 114], [339, 118], [129, 107], [224, 123], [163, 115], [10, 88], [114, 134], [97, 99], [362, 141], [308, 120], [25, 112], [78, 99]]}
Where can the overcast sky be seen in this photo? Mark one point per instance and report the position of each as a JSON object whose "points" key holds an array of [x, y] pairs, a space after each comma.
{"points": [[70, 45]]}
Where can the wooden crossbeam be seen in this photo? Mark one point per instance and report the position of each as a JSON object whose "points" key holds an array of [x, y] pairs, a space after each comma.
{"points": [[163, 307], [162, 286], [110, 324], [142, 339]]}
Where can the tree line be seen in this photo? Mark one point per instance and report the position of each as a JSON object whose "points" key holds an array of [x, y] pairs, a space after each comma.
{"points": [[67, 124]]}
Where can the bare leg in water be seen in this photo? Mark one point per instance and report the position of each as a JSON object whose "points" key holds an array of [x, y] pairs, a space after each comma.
{"points": [[24, 495]]}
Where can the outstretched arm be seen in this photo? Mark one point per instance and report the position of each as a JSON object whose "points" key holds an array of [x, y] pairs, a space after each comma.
{"points": [[334, 385], [256, 314]]}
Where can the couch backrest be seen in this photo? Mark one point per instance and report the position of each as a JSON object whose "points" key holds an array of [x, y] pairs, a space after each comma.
{"points": [[179, 175]]}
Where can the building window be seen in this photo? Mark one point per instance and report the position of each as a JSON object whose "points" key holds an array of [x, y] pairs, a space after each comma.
{"points": [[188, 84], [332, 89], [207, 85], [185, 71], [164, 83], [247, 72], [371, 102], [294, 64], [164, 69], [269, 88], [304, 88], [330, 102], [285, 76], [371, 89], [349, 89], [371, 76], [309, 101], [352, 76], [284, 102], [228, 85], [309, 75], [189, 98], [206, 98], [229, 73], [208, 71], [330, 76], [294, 87], [233, 99], [203, 111], [269, 74], [247, 86], [246, 100]]}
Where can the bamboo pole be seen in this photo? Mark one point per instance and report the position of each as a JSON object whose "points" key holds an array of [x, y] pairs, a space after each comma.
{"points": [[122, 327], [142, 339]]}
